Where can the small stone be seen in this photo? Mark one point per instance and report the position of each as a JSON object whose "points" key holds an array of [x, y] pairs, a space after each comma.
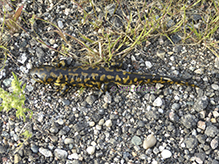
{"points": [[161, 54], [189, 121], [108, 123], [91, 150], [60, 121], [40, 117], [53, 129], [148, 64], [214, 143], [22, 59], [73, 156], [215, 114], [17, 158], [149, 142], [215, 86], [199, 71], [175, 106], [45, 152], [34, 148], [68, 141], [166, 154], [191, 143], [211, 131], [2, 149], [107, 98], [101, 122], [90, 99], [136, 140], [201, 104], [201, 125], [60, 24], [216, 64], [60, 154], [91, 124], [157, 102], [173, 117], [110, 9]]}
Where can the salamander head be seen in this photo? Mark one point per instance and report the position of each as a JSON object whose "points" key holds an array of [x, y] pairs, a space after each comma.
{"points": [[39, 74]]}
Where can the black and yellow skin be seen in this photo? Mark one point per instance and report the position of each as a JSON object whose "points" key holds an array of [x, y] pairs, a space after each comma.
{"points": [[95, 76]]}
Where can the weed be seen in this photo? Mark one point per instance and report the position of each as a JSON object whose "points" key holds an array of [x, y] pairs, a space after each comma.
{"points": [[15, 99]]}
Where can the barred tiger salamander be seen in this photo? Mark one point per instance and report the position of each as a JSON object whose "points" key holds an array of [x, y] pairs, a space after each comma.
{"points": [[94, 76]]}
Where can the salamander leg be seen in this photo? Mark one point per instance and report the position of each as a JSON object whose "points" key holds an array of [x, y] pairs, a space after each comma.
{"points": [[64, 89], [117, 65], [62, 63]]}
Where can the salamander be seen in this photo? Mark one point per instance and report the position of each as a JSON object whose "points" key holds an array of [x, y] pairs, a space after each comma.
{"points": [[95, 76]]}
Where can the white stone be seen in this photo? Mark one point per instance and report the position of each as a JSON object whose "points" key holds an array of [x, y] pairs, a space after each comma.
{"points": [[73, 156], [92, 123], [157, 102], [108, 123], [60, 24], [149, 142], [91, 150], [68, 141], [166, 154], [45, 152], [148, 64], [61, 154]]}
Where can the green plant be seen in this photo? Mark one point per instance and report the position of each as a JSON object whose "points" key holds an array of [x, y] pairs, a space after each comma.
{"points": [[12, 21], [15, 99]]}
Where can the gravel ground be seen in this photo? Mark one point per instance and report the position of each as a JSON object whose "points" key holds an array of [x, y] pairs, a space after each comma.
{"points": [[174, 124]]}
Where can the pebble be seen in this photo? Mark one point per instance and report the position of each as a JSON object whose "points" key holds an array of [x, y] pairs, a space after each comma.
{"points": [[173, 117], [200, 157], [215, 87], [148, 64], [90, 99], [91, 150], [211, 131], [189, 121], [107, 98], [201, 125], [61, 154], [17, 158], [160, 54], [60, 121], [166, 154], [201, 104], [214, 143], [157, 102], [34, 148], [22, 59], [2, 149], [215, 114], [101, 122], [199, 71], [68, 141], [191, 143], [60, 24], [108, 123], [149, 142], [91, 124], [136, 140], [45, 152], [73, 156], [216, 64]]}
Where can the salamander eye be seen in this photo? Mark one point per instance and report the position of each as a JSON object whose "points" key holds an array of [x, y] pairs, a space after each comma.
{"points": [[36, 76]]}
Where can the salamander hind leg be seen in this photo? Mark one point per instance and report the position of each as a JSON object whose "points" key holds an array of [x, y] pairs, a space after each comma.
{"points": [[64, 89]]}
